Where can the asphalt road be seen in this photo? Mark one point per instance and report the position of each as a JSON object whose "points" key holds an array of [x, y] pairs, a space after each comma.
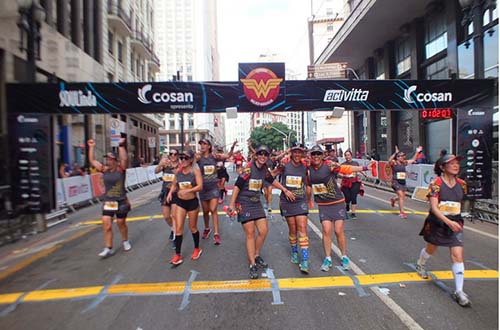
{"points": [[69, 287]]}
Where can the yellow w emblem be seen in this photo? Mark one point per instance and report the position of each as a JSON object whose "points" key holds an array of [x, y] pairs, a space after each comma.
{"points": [[261, 88]]}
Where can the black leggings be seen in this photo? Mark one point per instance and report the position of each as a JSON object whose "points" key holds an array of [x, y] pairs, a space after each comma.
{"points": [[351, 194]]}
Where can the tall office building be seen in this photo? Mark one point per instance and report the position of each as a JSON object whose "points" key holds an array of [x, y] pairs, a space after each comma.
{"points": [[186, 37]]}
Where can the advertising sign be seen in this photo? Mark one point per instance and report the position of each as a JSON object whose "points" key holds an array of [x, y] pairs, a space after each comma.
{"points": [[77, 189], [31, 162], [475, 138]]}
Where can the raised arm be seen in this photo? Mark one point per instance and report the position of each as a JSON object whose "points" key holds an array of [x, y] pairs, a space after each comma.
{"points": [[122, 152], [92, 160], [417, 151]]}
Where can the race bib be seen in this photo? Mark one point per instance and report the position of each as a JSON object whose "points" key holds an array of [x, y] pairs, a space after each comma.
{"points": [[185, 185], [293, 181], [168, 177], [111, 206], [254, 185], [209, 169], [401, 175], [450, 208], [319, 188]]}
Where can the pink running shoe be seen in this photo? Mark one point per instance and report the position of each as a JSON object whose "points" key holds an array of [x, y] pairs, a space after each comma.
{"points": [[403, 215]]}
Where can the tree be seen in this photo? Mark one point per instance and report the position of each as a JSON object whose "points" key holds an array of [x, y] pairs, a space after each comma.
{"points": [[271, 137]]}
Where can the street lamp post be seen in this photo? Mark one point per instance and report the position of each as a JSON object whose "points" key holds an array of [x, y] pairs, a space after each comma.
{"points": [[31, 17], [365, 120]]}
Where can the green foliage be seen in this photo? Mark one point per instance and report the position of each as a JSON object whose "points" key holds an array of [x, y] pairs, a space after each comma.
{"points": [[271, 137]]}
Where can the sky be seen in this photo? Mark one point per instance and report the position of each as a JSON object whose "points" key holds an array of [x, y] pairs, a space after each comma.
{"points": [[250, 28]]}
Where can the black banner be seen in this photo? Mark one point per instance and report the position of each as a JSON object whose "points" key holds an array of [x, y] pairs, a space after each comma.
{"points": [[475, 139], [200, 97], [31, 161]]}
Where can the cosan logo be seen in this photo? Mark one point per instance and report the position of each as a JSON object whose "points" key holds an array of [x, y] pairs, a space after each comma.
{"points": [[164, 97], [340, 95], [426, 97], [471, 112], [22, 120], [77, 98]]}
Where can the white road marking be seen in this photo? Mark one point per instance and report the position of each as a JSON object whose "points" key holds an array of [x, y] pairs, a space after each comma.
{"points": [[400, 313]]}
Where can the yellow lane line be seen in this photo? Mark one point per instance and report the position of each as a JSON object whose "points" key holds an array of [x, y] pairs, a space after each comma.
{"points": [[41, 254], [275, 212], [237, 285]]}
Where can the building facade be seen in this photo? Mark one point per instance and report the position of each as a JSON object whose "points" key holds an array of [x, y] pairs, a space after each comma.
{"points": [[424, 39]]}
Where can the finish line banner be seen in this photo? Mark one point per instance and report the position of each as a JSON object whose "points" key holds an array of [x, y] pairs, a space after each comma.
{"points": [[257, 91]]}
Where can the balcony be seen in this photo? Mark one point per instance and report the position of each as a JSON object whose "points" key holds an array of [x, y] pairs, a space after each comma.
{"points": [[142, 44], [154, 63], [119, 20]]}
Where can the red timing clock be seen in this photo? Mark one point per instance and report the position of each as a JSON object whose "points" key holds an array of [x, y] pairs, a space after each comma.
{"points": [[436, 114]]}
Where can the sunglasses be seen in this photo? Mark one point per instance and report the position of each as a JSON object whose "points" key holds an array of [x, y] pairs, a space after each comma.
{"points": [[173, 154], [184, 158], [263, 153], [316, 153]]}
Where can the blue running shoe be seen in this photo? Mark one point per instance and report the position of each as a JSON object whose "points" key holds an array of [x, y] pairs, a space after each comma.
{"points": [[327, 264], [345, 263]]}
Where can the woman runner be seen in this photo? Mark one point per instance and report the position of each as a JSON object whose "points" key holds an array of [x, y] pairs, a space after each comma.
{"points": [[350, 186], [444, 224], [187, 182], [115, 199]]}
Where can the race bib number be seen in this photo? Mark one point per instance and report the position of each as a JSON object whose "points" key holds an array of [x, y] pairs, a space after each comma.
{"points": [[450, 208], [401, 175], [111, 206], [254, 185], [293, 181], [209, 169], [185, 185], [319, 188], [168, 177]]}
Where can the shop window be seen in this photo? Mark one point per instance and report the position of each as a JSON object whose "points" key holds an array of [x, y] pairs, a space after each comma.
{"points": [[490, 39], [466, 60]]}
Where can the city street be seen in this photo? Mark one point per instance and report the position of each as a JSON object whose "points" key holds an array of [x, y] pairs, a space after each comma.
{"points": [[56, 280]]}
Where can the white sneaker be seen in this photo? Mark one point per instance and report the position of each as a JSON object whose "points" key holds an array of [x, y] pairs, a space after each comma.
{"points": [[106, 252], [461, 298], [126, 246]]}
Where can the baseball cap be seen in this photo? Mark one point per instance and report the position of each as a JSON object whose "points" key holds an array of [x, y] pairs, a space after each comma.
{"points": [[297, 145], [206, 141], [449, 157], [188, 152], [316, 148], [263, 148], [111, 155]]}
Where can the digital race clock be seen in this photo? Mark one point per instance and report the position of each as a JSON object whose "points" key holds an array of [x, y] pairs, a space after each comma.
{"points": [[436, 114]]}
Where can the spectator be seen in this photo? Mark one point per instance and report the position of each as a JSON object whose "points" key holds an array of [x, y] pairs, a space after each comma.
{"points": [[135, 161], [442, 153], [421, 159], [358, 155], [341, 152], [63, 170], [76, 170]]}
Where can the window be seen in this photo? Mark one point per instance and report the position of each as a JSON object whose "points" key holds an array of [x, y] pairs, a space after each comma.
{"points": [[466, 60], [437, 70], [132, 62], [110, 42], [120, 52], [329, 11], [329, 27], [403, 56], [490, 39], [380, 73], [436, 37]]}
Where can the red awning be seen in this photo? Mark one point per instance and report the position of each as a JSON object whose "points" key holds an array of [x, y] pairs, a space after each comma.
{"points": [[327, 141]]}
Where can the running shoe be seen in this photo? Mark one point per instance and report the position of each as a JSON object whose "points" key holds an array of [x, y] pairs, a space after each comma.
{"points": [[421, 271], [106, 252], [327, 264], [171, 236], [461, 298], [206, 233], [217, 240], [353, 216], [393, 202], [260, 262], [254, 272], [304, 266], [196, 253], [403, 215], [126, 246], [177, 260], [294, 258], [345, 263]]}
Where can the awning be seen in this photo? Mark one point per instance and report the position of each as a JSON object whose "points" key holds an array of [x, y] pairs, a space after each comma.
{"points": [[328, 141]]}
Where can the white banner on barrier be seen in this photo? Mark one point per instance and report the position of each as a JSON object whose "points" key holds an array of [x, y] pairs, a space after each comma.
{"points": [[413, 175], [60, 193], [142, 174], [151, 173], [77, 189], [131, 178]]}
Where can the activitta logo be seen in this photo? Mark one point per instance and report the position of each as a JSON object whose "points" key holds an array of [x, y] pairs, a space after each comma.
{"points": [[165, 97], [426, 97], [340, 95], [261, 86]]}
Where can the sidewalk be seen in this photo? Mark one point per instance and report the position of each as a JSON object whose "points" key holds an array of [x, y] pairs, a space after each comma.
{"points": [[21, 253]]}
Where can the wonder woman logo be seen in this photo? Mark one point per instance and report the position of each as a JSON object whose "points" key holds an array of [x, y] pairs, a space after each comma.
{"points": [[261, 86]]}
